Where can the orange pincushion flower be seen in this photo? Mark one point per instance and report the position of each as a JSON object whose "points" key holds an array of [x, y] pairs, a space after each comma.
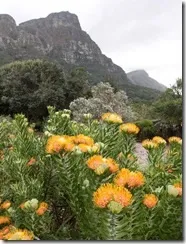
{"points": [[42, 208], [5, 205], [122, 177], [129, 128], [69, 147], [122, 196], [31, 161], [82, 139], [112, 117], [4, 232], [150, 200], [109, 192], [158, 140], [103, 195], [135, 179], [178, 186], [84, 147], [4, 220], [100, 164], [95, 161], [113, 166]]}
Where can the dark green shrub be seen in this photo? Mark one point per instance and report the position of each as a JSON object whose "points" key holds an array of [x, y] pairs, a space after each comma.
{"points": [[147, 129]]}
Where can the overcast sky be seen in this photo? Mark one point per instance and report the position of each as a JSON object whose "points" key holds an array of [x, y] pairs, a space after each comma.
{"points": [[135, 34]]}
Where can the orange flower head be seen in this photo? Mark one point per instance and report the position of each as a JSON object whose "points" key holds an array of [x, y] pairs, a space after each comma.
{"points": [[178, 186], [69, 147], [158, 140], [56, 143], [4, 220], [82, 139], [31, 161], [150, 200], [103, 195], [84, 147], [122, 196], [112, 118], [148, 144], [4, 232], [122, 177], [136, 179], [109, 192], [5, 205], [42, 208], [129, 128], [95, 161], [113, 166]]}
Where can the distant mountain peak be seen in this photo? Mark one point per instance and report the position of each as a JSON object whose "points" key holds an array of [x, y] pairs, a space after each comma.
{"points": [[141, 78]]}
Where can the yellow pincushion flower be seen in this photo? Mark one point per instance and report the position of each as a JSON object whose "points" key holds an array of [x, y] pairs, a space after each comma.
{"points": [[82, 139], [4, 220], [112, 117], [158, 140], [148, 144], [122, 177], [176, 139], [129, 128], [19, 234], [109, 193], [150, 200], [56, 143], [5, 205]]}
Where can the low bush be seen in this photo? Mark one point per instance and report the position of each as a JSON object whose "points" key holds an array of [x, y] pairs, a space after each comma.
{"points": [[81, 181]]}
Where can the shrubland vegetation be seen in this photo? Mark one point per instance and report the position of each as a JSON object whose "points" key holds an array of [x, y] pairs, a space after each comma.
{"points": [[78, 178], [81, 181]]}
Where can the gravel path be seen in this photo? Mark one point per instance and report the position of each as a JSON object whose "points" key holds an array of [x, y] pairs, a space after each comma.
{"points": [[141, 154]]}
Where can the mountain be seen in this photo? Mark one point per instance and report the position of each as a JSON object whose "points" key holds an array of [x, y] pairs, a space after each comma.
{"points": [[141, 78], [59, 38]]}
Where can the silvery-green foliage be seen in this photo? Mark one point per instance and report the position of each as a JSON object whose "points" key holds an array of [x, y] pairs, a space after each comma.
{"points": [[103, 100]]}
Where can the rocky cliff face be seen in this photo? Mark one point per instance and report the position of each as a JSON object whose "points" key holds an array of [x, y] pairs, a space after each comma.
{"points": [[141, 78], [57, 37]]}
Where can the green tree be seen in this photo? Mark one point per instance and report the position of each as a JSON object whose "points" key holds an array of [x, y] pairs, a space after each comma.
{"points": [[76, 85], [169, 106], [30, 86]]}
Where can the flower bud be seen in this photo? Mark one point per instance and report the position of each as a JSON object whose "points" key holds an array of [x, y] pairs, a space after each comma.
{"points": [[87, 116], [65, 116], [34, 203], [115, 207], [172, 191]]}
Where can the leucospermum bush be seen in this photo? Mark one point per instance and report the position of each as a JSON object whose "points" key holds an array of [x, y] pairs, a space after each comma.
{"points": [[81, 181]]}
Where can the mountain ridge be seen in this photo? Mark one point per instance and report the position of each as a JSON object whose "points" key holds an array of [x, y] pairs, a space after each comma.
{"points": [[142, 78], [59, 37]]}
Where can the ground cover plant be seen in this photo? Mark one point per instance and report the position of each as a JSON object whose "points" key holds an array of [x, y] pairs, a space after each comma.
{"points": [[81, 181]]}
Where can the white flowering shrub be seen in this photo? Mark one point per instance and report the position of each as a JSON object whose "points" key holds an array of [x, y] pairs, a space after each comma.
{"points": [[104, 99]]}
